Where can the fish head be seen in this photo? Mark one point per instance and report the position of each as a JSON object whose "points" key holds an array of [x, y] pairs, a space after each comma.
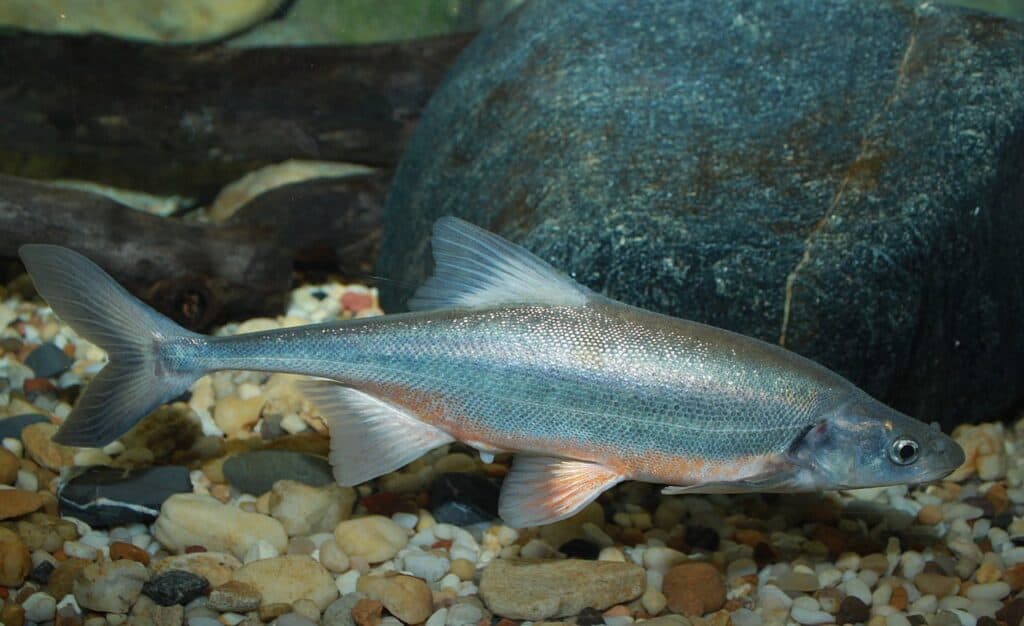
{"points": [[863, 443]]}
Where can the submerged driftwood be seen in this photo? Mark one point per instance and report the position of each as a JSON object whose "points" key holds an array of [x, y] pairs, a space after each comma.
{"points": [[201, 275], [187, 120]]}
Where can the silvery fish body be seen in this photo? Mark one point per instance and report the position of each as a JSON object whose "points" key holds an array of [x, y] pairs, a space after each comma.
{"points": [[506, 355]]}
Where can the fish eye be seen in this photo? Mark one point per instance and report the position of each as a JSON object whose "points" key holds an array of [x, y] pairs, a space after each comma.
{"points": [[903, 451]]}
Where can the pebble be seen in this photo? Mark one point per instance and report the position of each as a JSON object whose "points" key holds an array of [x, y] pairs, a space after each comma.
{"points": [[464, 498], [797, 581], [936, 584], [989, 591], [810, 616], [653, 601], [41, 449], [339, 612], [18, 502], [333, 557], [580, 549], [463, 568], [39, 607], [464, 614], [406, 597], [8, 467], [694, 589], [285, 579], [48, 361], [294, 619], [191, 519], [235, 596], [217, 568], [375, 538], [110, 586], [79, 550], [107, 496], [852, 610], [15, 559], [256, 472], [12, 427], [528, 590], [305, 510], [235, 416], [430, 567], [175, 587]]}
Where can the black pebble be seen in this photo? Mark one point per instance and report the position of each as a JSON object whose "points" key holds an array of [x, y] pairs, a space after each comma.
{"points": [[105, 496], [983, 504], [48, 361], [12, 426], [175, 587], [1003, 520], [985, 620], [589, 617], [917, 620], [462, 499], [40, 574], [702, 538], [852, 610], [580, 549]]}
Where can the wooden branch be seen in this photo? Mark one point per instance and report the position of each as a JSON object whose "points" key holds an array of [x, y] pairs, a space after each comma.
{"points": [[204, 275], [188, 120]]}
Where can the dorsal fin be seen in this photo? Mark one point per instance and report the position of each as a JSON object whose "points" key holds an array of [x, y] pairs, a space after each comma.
{"points": [[475, 268]]}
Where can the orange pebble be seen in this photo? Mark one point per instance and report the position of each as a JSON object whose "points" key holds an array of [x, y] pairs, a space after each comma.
{"points": [[123, 550], [898, 600], [749, 536], [59, 554], [617, 611]]}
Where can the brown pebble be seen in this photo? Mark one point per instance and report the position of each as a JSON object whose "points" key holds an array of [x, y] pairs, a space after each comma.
{"points": [[998, 497], [1012, 613], [18, 502], [930, 514], [1015, 577], [693, 589], [852, 610], [269, 612], [8, 467], [749, 537], [15, 559], [833, 538], [125, 550], [463, 568], [68, 615], [765, 554], [936, 584], [367, 612], [876, 562], [63, 577], [632, 536], [235, 596], [12, 614], [898, 600]]}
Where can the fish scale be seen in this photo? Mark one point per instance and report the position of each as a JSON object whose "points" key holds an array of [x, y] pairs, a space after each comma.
{"points": [[507, 355]]}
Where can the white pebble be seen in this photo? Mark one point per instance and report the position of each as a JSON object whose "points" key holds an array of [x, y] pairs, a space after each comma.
{"points": [[806, 602], [741, 567], [449, 581], [113, 448], [293, 424], [810, 617], [951, 603], [925, 604], [989, 591], [439, 617], [14, 446], [966, 619], [662, 559], [869, 577], [597, 535], [39, 607], [771, 597], [858, 588], [611, 554], [912, 563], [987, 608], [745, 617], [881, 595], [95, 539], [346, 583], [620, 620], [462, 614], [829, 577], [653, 601], [27, 481], [406, 520], [260, 550], [429, 567], [897, 619], [537, 549], [655, 580], [1013, 556], [79, 550], [142, 541]]}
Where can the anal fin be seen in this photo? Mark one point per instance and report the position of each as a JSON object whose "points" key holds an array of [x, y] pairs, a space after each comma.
{"points": [[541, 489], [369, 436]]}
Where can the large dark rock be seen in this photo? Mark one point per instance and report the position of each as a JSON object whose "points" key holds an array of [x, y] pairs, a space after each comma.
{"points": [[844, 178], [106, 496]]}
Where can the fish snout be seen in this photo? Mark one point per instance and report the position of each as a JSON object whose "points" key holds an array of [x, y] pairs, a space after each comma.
{"points": [[947, 453]]}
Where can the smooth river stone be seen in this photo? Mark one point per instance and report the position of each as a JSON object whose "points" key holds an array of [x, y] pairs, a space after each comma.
{"points": [[105, 496], [285, 579], [537, 590], [190, 519], [375, 538], [256, 472], [13, 425]]}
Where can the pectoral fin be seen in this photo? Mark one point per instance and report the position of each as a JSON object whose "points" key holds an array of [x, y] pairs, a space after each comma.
{"points": [[541, 489]]}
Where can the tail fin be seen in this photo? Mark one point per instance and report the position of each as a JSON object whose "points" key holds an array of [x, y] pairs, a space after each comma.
{"points": [[132, 333]]}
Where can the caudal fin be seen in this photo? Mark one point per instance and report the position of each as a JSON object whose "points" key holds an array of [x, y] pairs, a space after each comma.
{"points": [[132, 384]]}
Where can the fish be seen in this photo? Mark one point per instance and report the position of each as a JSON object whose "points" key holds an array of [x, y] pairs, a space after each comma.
{"points": [[502, 352]]}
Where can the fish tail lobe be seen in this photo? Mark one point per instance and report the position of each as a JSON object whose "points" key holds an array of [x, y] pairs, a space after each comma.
{"points": [[136, 380]]}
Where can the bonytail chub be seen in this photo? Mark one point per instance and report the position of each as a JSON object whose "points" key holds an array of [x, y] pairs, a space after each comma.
{"points": [[502, 352]]}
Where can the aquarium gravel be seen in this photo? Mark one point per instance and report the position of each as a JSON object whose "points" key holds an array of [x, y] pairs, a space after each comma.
{"points": [[237, 536]]}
